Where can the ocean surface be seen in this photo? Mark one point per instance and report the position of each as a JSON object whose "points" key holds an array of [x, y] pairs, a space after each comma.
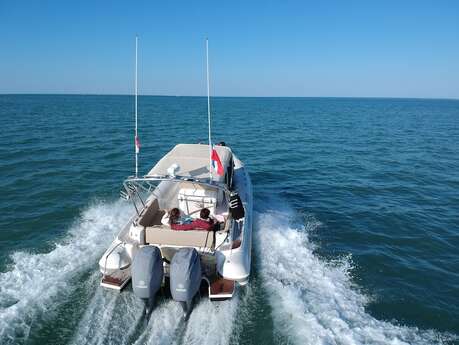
{"points": [[356, 233]]}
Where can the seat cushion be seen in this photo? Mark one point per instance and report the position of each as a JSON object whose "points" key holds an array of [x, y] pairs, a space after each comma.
{"points": [[163, 235]]}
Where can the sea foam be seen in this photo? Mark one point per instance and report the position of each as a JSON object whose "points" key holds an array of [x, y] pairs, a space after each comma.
{"points": [[113, 318], [313, 301], [36, 282]]}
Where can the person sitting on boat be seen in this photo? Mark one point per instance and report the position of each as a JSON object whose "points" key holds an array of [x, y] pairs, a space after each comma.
{"points": [[177, 216], [204, 222]]}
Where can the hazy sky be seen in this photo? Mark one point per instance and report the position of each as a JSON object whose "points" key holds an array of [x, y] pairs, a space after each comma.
{"points": [[261, 48]]}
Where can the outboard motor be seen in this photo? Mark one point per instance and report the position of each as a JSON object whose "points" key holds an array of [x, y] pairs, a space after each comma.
{"points": [[185, 277], [235, 206], [147, 275]]}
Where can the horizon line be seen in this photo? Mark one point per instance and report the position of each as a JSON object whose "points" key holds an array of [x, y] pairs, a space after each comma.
{"points": [[215, 96]]}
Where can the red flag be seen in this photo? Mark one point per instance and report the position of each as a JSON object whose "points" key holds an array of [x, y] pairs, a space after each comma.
{"points": [[216, 163], [137, 144]]}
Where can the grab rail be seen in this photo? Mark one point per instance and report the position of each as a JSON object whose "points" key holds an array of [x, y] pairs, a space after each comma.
{"points": [[106, 257]]}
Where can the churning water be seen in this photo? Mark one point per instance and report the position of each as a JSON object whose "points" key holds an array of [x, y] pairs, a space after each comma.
{"points": [[356, 219]]}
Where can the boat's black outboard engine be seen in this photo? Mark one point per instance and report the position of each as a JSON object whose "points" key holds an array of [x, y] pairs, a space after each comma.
{"points": [[235, 206], [147, 275], [185, 277]]}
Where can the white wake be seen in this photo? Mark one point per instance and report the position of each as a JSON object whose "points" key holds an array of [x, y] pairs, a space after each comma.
{"points": [[314, 302], [35, 282], [113, 318]]}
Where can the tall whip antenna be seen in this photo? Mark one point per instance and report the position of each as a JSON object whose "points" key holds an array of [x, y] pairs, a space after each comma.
{"points": [[136, 138], [208, 108]]}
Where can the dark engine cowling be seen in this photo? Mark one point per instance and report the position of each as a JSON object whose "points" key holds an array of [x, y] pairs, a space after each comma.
{"points": [[185, 277], [147, 275]]}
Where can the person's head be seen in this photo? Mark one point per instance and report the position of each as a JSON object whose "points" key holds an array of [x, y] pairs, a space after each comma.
{"points": [[205, 213], [174, 215]]}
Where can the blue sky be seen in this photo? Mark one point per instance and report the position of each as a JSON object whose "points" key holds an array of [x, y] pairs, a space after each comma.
{"points": [[257, 48]]}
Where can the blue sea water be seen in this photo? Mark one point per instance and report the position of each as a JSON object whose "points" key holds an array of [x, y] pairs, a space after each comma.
{"points": [[356, 230]]}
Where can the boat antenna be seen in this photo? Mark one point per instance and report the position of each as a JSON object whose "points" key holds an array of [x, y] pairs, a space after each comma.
{"points": [[136, 138], [208, 108]]}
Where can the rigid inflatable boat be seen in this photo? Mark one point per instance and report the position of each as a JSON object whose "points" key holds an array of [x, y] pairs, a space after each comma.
{"points": [[177, 263]]}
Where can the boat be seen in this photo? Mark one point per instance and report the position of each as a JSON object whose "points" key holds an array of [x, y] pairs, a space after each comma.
{"points": [[181, 179], [184, 264]]}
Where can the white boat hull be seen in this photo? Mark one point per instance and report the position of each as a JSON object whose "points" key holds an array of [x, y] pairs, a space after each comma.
{"points": [[232, 261]]}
